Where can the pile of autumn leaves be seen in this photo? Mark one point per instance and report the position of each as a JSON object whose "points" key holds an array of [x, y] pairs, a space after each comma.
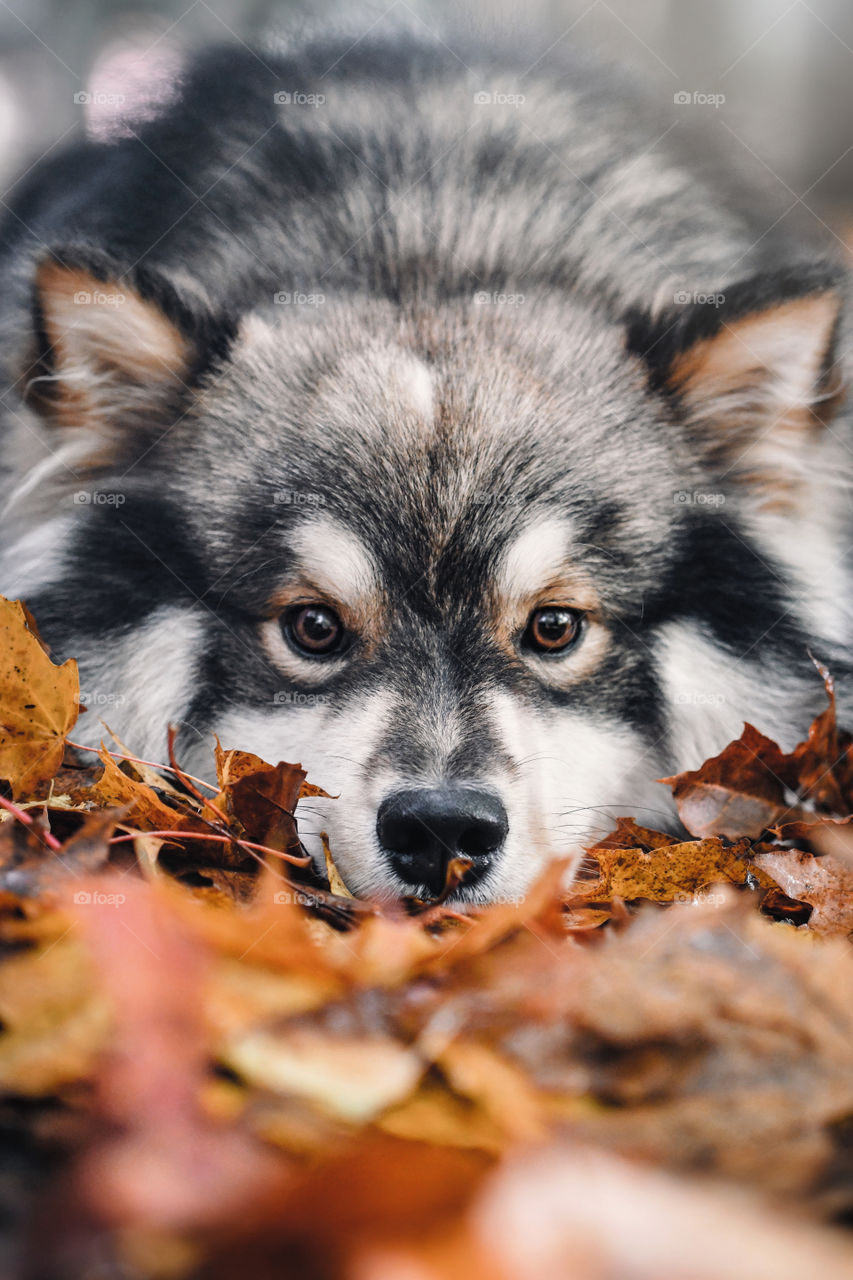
{"points": [[237, 1069]]}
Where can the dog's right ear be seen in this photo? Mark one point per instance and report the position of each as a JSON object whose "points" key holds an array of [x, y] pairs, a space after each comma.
{"points": [[110, 351], [753, 371]]}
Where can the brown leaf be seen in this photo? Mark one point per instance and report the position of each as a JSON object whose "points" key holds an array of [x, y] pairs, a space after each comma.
{"points": [[260, 797], [165, 1164], [824, 761], [740, 792], [825, 883], [54, 1022], [39, 702], [29, 868], [670, 873], [142, 807], [629, 835]]}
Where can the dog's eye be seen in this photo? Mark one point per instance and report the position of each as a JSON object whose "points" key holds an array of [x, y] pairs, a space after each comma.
{"points": [[553, 629], [314, 630]]}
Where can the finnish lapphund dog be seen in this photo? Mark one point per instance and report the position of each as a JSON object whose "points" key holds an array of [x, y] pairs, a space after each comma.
{"points": [[444, 423]]}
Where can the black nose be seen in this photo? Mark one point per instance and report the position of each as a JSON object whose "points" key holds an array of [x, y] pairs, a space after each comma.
{"points": [[422, 830]]}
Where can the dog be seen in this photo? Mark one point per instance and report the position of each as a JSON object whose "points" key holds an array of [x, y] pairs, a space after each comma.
{"points": [[430, 418]]}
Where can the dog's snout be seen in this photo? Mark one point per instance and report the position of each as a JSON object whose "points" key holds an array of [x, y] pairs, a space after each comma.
{"points": [[421, 830]]}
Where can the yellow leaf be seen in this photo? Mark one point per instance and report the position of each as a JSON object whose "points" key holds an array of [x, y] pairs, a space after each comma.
{"points": [[39, 702], [351, 1078]]}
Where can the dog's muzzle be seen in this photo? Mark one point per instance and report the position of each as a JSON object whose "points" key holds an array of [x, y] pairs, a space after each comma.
{"points": [[420, 831]]}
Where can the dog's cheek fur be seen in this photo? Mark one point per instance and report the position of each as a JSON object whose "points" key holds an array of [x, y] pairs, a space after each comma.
{"points": [[437, 430], [138, 681], [572, 774], [334, 740], [711, 693]]}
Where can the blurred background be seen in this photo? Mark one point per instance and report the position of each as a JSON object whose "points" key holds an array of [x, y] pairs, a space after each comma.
{"points": [[774, 76]]}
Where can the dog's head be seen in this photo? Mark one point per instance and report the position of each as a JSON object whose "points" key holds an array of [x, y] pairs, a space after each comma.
{"points": [[488, 566]]}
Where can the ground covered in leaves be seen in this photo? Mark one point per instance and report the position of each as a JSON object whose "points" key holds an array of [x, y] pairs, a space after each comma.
{"points": [[215, 1063]]}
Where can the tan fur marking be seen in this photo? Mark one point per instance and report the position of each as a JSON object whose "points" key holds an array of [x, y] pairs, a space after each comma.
{"points": [[783, 347], [759, 390], [107, 343]]}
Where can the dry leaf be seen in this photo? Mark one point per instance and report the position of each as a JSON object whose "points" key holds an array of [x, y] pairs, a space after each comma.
{"points": [[39, 702], [825, 883], [740, 792]]}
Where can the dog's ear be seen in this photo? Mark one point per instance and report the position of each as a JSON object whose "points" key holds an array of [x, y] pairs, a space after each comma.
{"points": [[753, 369], [109, 351]]}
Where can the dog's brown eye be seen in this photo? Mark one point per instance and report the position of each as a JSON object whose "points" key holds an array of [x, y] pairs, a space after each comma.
{"points": [[314, 630], [553, 629]]}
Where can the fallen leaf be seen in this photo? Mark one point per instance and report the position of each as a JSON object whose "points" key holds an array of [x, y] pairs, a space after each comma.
{"points": [[671, 872], [824, 761], [39, 702], [825, 883], [741, 792]]}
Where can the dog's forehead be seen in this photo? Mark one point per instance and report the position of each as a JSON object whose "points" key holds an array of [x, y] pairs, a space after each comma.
{"points": [[345, 565], [455, 455]]}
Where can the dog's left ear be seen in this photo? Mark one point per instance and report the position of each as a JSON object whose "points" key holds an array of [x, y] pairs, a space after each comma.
{"points": [[753, 370], [105, 348]]}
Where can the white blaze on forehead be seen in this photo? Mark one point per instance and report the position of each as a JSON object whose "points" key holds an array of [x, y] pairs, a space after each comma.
{"points": [[414, 382], [536, 557], [334, 559]]}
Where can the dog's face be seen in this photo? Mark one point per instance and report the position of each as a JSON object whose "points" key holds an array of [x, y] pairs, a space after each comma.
{"points": [[486, 569]]}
